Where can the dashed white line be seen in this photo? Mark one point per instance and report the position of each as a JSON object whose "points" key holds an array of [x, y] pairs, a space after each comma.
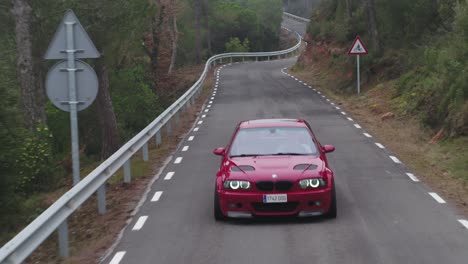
{"points": [[191, 138], [412, 177], [206, 111], [349, 118], [395, 159], [301, 81], [343, 113], [332, 103], [367, 135], [357, 126], [380, 145], [210, 102], [185, 148], [118, 257], [178, 160], [196, 129], [463, 222], [437, 197], [212, 98], [328, 100], [200, 122], [157, 195], [319, 92], [139, 224], [315, 90], [323, 96], [166, 178], [203, 116], [337, 108], [208, 106]]}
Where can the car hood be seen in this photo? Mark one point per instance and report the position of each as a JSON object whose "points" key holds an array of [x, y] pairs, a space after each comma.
{"points": [[284, 167]]}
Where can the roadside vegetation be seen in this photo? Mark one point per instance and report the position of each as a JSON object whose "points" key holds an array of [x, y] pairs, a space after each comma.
{"points": [[149, 52], [414, 80]]}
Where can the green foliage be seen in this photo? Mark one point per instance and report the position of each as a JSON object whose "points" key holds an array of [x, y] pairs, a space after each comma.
{"points": [[235, 45]]}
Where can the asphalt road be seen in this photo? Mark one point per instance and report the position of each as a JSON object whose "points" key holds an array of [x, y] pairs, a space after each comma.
{"points": [[383, 215]]}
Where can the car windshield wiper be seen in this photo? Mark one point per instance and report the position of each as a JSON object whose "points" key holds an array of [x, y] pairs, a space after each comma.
{"points": [[246, 155], [289, 154]]}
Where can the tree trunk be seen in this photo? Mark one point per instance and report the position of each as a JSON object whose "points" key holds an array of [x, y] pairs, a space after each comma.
{"points": [[175, 38], [198, 45], [109, 133], [372, 25], [31, 93], [207, 26], [156, 31], [349, 8]]}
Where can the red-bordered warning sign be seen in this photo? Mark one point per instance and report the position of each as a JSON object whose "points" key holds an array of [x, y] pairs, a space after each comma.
{"points": [[358, 47]]}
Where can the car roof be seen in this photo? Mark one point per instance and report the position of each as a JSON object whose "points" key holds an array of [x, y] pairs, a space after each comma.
{"points": [[275, 122]]}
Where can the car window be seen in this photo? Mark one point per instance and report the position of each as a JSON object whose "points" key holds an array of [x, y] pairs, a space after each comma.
{"points": [[273, 141]]}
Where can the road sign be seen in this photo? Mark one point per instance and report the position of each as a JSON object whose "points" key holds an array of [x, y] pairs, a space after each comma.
{"points": [[83, 45], [57, 82], [358, 47]]}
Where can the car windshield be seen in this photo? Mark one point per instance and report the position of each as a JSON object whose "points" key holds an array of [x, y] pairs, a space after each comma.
{"points": [[268, 141]]}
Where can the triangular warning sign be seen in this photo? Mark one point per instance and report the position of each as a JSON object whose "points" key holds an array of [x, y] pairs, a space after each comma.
{"points": [[358, 47], [81, 40]]}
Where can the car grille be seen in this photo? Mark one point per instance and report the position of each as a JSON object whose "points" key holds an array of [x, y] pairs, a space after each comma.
{"points": [[270, 185], [275, 207]]}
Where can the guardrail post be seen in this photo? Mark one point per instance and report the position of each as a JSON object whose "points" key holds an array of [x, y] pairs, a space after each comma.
{"points": [[231, 59], [243, 59], [176, 118], [268, 57], [256, 58], [101, 197], [127, 172], [63, 239], [145, 152], [158, 138], [168, 127]]}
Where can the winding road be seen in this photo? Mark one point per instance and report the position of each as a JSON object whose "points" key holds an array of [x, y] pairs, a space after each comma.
{"points": [[385, 215]]}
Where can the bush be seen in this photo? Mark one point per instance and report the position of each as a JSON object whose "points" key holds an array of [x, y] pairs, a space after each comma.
{"points": [[235, 45]]}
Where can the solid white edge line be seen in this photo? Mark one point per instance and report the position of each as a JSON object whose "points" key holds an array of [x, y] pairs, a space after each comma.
{"points": [[412, 177], [157, 195], [191, 138], [463, 222], [118, 257], [185, 148], [178, 160], [367, 135], [357, 126], [166, 178], [380, 145], [139, 224], [395, 159], [437, 197]]}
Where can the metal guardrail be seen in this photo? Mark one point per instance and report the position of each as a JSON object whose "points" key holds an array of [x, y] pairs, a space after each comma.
{"points": [[298, 18], [55, 217]]}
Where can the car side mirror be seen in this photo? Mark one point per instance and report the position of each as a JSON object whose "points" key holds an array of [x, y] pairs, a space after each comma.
{"points": [[219, 151], [328, 148]]}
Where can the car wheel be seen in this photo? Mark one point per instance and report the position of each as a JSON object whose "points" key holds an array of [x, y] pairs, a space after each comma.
{"points": [[218, 214], [332, 212]]}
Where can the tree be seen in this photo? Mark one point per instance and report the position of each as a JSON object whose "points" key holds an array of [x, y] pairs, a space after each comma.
{"points": [[198, 44], [31, 94], [372, 25], [349, 8]]}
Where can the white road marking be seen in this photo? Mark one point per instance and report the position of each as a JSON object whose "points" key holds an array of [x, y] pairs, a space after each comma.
{"points": [[139, 224], [319, 92], [349, 118], [315, 90], [216, 86], [367, 135], [332, 103], [337, 108], [437, 197], [210, 102], [328, 100], [412, 177], [395, 159], [357, 126], [166, 178], [178, 160], [191, 138], [212, 98], [157, 195], [380, 145], [203, 116], [463, 222], [117, 257], [196, 129], [208, 106], [200, 122], [185, 148], [207, 110], [323, 96], [301, 81], [343, 113]]}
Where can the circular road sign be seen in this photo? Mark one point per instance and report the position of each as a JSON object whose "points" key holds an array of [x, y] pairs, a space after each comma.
{"points": [[57, 85]]}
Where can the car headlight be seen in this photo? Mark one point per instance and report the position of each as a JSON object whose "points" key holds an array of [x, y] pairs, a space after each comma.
{"points": [[235, 185], [312, 183]]}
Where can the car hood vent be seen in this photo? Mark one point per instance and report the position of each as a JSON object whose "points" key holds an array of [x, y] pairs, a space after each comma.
{"points": [[303, 167], [242, 168]]}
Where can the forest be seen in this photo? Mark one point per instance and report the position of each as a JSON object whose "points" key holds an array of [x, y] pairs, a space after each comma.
{"points": [[142, 45], [421, 45]]}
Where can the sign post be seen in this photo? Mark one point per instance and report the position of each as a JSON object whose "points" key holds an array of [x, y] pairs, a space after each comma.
{"points": [[358, 48], [72, 86]]}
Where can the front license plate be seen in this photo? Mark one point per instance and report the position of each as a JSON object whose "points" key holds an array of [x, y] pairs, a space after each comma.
{"points": [[275, 198]]}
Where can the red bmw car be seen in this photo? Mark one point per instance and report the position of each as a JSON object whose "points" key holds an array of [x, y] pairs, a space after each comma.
{"points": [[274, 167]]}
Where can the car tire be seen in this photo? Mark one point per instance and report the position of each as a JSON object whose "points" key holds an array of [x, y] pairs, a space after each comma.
{"points": [[332, 212], [218, 214]]}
